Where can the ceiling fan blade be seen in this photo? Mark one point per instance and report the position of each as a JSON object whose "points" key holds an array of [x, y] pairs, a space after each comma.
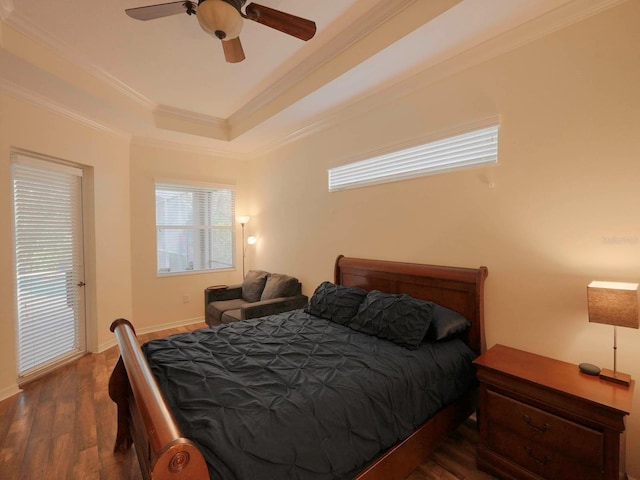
{"points": [[233, 52], [285, 22], [151, 12]]}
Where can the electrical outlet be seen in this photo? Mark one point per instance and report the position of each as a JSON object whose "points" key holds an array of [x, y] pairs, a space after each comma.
{"points": [[186, 298]]}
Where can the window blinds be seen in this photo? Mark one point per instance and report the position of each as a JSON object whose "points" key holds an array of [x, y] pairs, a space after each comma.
{"points": [[477, 147], [47, 201], [195, 227]]}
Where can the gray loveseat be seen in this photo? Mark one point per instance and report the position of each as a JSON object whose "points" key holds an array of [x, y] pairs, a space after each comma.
{"points": [[260, 294]]}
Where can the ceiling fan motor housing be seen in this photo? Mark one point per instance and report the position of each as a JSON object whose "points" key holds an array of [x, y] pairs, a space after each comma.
{"points": [[221, 18], [237, 4]]}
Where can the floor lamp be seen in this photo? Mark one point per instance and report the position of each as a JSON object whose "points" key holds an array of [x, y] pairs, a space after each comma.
{"points": [[243, 220], [251, 240]]}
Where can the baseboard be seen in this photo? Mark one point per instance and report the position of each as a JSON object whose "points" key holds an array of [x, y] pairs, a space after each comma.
{"points": [[9, 392], [155, 328]]}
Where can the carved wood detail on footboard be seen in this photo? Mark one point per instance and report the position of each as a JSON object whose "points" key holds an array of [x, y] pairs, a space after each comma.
{"points": [[145, 419]]}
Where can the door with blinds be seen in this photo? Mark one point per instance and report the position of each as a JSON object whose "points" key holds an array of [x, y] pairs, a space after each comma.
{"points": [[49, 265]]}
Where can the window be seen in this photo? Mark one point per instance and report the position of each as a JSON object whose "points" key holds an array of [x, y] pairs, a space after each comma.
{"points": [[477, 147], [195, 227]]}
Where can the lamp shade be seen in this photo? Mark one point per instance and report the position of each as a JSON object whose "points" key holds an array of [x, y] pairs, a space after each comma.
{"points": [[219, 18], [613, 303], [252, 240], [243, 219]]}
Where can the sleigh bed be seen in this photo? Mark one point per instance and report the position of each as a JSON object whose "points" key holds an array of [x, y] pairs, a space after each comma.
{"points": [[153, 417]]}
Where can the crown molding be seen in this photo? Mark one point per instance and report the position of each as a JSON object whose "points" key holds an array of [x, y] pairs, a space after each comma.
{"points": [[40, 101], [184, 121], [517, 37], [220, 128], [187, 115], [194, 123], [355, 43], [183, 147], [66, 51], [375, 16], [21, 93]]}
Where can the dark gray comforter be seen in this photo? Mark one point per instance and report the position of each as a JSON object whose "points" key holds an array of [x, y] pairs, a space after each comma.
{"points": [[295, 396]]}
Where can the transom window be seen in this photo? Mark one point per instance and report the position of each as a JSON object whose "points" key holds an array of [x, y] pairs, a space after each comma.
{"points": [[194, 227], [473, 147]]}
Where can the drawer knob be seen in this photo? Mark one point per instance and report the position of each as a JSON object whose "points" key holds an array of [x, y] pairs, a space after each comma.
{"points": [[535, 428], [540, 461]]}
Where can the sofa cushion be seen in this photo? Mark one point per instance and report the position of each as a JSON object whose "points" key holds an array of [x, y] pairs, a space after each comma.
{"points": [[253, 285], [231, 316], [279, 285], [216, 309]]}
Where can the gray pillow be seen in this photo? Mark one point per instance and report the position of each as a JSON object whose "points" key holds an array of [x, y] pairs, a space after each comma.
{"points": [[253, 285], [279, 285], [400, 318], [335, 302], [446, 323]]}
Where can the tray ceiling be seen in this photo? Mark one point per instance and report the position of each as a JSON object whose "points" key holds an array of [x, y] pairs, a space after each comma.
{"points": [[166, 81]]}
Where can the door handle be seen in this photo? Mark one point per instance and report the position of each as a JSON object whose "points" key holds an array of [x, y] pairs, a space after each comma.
{"points": [[81, 284]]}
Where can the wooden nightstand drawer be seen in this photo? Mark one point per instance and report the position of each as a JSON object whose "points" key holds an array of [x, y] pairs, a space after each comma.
{"points": [[542, 418], [560, 437], [540, 459]]}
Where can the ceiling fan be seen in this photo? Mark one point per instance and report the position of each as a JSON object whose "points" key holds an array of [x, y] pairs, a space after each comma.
{"points": [[223, 19]]}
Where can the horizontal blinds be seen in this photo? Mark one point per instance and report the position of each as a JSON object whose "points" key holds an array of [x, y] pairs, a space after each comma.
{"points": [[48, 259], [478, 147], [195, 227]]}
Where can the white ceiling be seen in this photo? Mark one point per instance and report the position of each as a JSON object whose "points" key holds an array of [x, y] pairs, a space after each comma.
{"points": [[166, 81]]}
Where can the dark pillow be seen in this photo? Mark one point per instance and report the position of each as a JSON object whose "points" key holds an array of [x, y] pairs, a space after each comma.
{"points": [[253, 285], [399, 318], [446, 323], [335, 302], [279, 285]]}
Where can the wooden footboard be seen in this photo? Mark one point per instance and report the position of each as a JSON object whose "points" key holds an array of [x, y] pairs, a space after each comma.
{"points": [[145, 419]]}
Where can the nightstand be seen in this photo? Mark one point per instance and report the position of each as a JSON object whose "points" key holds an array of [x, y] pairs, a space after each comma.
{"points": [[542, 418]]}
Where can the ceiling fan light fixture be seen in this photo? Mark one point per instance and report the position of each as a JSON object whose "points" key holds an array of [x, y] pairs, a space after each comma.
{"points": [[218, 18]]}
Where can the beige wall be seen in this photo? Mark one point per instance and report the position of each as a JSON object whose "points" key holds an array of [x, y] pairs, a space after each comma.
{"points": [[24, 126], [559, 210], [121, 229], [159, 301], [564, 208]]}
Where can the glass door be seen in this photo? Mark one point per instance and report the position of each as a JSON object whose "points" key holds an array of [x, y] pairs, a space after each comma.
{"points": [[47, 201]]}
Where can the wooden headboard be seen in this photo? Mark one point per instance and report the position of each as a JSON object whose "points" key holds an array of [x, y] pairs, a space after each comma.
{"points": [[460, 289]]}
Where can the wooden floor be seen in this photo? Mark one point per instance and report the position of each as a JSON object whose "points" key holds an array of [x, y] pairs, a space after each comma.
{"points": [[63, 427]]}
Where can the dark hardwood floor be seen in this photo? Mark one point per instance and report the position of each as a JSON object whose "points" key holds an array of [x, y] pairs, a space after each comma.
{"points": [[63, 426]]}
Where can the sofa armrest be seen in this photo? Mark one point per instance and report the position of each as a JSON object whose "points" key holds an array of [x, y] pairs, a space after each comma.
{"points": [[221, 292], [272, 306]]}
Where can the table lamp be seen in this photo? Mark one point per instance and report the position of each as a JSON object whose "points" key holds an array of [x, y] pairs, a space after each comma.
{"points": [[614, 303]]}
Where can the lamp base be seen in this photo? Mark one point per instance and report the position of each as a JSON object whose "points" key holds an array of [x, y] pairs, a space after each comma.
{"points": [[617, 377]]}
